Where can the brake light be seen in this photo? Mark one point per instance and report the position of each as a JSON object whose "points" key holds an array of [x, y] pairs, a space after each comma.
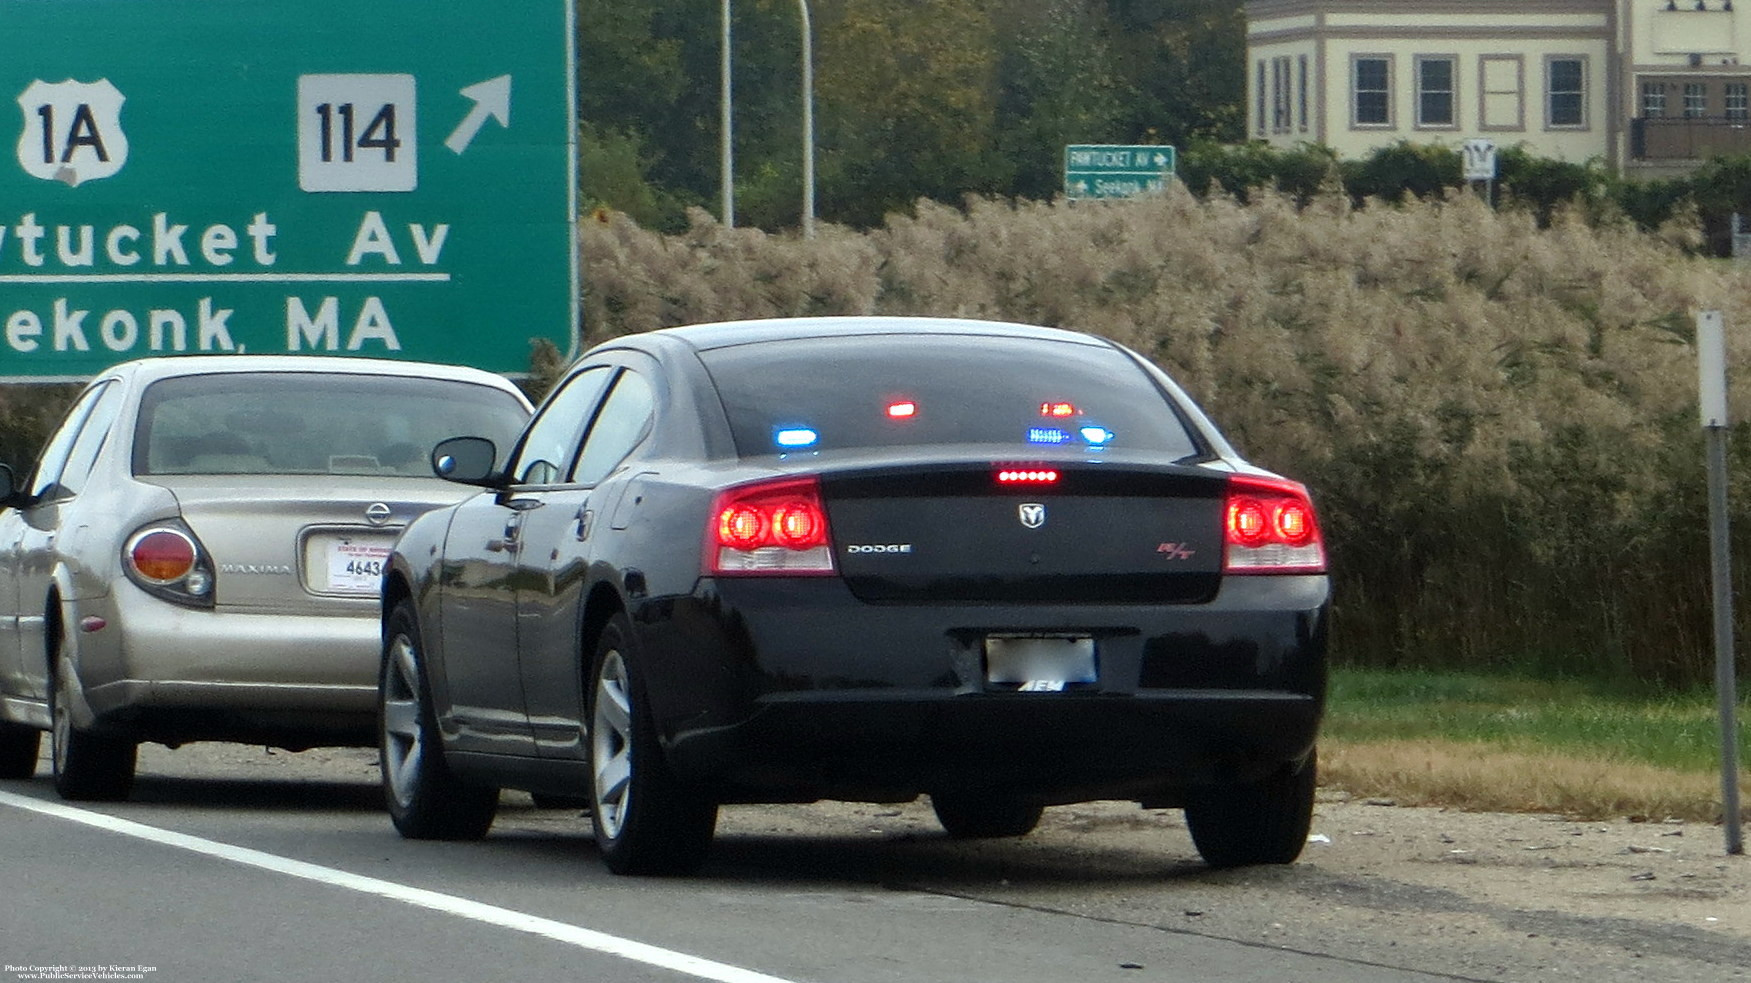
{"points": [[162, 556], [1027, 476], [1269, 526], [776, 527], [167, 561]]}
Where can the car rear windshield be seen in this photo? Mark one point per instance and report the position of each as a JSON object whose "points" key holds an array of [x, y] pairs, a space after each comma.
{"points": [[312, 423], [872, 391]]}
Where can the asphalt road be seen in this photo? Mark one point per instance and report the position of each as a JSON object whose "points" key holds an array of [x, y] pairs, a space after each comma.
{"points": [[238, 865]]}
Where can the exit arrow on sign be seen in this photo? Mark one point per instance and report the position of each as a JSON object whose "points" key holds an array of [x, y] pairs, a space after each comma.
{"points": [[491, 98]]}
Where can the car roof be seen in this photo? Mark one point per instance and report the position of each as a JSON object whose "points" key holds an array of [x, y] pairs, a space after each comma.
{"points": [[721, 334], [169, 366]]}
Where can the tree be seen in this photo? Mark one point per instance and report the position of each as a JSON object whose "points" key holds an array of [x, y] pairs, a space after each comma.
{"points": [[1057, 88], [1184, 65], [630, 80], [914, 98], [907, 93]]}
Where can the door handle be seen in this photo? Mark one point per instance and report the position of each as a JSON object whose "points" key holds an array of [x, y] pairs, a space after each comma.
{"points": [[508, 542]]}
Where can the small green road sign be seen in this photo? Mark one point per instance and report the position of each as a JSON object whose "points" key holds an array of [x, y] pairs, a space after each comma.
{"points": [[1115, 171], [390, 179]]}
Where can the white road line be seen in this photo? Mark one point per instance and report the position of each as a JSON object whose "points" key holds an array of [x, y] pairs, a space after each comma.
{"points": [[583, 938]]}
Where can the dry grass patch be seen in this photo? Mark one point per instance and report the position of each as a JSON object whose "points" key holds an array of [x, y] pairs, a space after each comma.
{"points": [[1497, 420], [1481, 778]]}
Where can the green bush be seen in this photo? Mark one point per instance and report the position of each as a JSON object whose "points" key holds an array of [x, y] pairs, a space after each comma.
{"points": [[1703, 201]]}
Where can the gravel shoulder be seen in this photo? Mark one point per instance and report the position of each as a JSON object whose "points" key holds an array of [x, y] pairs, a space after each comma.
{"points": [[1477, 896], [1482, 896]]}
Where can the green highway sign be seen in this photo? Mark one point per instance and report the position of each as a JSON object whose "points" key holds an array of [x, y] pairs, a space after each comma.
{"points": [[391, 179], [1115, 171]]}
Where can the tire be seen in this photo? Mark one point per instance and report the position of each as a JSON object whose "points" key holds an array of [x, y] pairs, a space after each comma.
{"points": [[1264, 822], [979, 817], [87, 767], [426, 801], [19, 746], [646, 821]]}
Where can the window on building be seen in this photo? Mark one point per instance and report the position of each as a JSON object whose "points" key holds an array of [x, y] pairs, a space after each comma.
{"points": [[1653, 99], [1566, 84], [1301, 93], [1280, 95], [1503, 98], [1735, 101], [1695, 99], [1371, 87], [1259, 88], [1435, 92]]}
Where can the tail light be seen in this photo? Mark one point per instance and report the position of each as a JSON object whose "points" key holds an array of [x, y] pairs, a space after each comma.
{"points": [[166, 560], [775, 527], [1269, 527]]}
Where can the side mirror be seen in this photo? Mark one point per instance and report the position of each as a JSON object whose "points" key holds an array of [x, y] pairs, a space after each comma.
{"points": [[466, 461], [9, 491]]}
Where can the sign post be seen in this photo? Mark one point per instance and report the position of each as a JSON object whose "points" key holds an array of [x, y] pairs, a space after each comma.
{"points": [[1711, 350], [1115, 171], [392, 179]]}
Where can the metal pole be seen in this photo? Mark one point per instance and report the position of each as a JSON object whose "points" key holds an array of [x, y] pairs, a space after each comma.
{"points": [[725, 124], [1711, 356], [1726, 685], [808, 122]]}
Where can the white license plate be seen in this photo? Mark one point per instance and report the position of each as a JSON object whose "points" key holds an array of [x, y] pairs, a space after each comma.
{"points": [[1039, 663], [356, 568]]}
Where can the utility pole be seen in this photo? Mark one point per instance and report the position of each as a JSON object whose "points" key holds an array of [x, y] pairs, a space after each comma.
{"points": [[1711, 353], [725, 126], [808, 122]]}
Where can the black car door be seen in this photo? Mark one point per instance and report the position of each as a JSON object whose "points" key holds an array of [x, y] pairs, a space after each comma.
{"points": [[555, 564], [487, 537]]}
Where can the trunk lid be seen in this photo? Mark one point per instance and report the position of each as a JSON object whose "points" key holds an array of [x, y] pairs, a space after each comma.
{"points": [[1095, 532], [302, 545]]}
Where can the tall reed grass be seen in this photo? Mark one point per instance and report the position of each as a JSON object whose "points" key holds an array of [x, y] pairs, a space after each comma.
{"points": [[1497, 420]]}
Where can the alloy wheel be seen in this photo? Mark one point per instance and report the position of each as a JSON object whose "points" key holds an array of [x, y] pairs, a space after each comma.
{"points": [[611, 744], [403, 738]]}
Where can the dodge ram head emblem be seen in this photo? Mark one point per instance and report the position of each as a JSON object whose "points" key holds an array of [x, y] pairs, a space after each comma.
{"points": [[1033, 515]]}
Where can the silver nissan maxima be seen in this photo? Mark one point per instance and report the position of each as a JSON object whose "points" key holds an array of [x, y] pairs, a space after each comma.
{"points": [[197, 554]]}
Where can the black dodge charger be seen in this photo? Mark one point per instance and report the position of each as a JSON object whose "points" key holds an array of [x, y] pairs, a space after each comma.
{"points": [[858, 558]]}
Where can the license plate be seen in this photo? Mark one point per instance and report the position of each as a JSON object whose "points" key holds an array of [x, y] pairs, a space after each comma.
{"points": [[356, 568], [1039, 663]]}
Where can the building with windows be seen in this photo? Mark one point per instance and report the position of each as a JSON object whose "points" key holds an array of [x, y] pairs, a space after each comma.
{"points": [[1647, 86]]}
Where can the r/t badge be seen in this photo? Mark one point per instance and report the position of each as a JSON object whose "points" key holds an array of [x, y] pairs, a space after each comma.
{"points": [[72, 131]]}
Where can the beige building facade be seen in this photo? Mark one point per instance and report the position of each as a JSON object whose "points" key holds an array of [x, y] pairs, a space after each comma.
{"points": [[1644, 86]]}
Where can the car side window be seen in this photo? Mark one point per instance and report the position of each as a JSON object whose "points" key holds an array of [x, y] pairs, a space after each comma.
{"points": [[92, 437], [46, 480], [553, 437], [623, 421]]}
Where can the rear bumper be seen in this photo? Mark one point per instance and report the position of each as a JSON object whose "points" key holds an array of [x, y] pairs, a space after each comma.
{"points": [[1050, 747], [765, 690], [166, 673]]}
